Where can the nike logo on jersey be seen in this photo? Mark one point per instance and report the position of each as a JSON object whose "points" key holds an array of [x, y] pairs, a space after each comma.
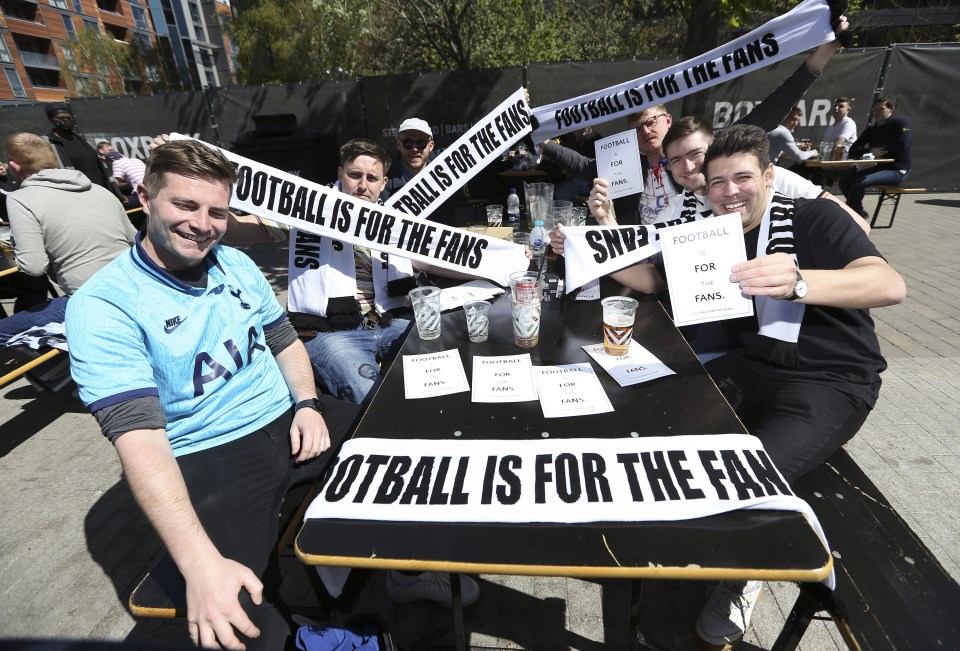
{"points": [[172, 324]]}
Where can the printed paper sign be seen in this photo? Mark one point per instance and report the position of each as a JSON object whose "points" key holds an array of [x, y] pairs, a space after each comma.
{"points": [[618, 161], [638, 365], [570, 390], [475, 290], [698, 257], [507, 378], [433, 374]]}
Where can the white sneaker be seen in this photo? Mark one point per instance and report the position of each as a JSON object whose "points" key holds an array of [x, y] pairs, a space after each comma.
{"points": [[726, 615], [434, 586]]}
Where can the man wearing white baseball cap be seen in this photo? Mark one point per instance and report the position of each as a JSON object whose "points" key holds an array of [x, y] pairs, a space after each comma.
{"points": [[415, 144], [415, 149]]}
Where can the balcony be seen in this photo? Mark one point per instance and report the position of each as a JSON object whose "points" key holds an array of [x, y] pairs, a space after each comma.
{"points": [[113, 6], [25, 10], [118, 32], [38, 60]]}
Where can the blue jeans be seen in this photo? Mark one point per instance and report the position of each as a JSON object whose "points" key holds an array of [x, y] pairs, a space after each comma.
{"points": [[346, 361], [854, 186], [52, 311]]}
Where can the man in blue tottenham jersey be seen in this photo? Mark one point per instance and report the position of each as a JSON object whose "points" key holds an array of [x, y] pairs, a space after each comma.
{"points": [[188, 362]]}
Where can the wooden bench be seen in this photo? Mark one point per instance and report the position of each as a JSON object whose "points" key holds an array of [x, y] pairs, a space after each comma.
{"points": [[162, 593], [892, 593], [25, 367], [893, 193]]}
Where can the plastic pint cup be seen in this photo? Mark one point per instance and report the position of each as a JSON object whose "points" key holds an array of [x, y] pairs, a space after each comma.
{"points": [[478, 320], [426, 310], [619, 313], [526, 321]]}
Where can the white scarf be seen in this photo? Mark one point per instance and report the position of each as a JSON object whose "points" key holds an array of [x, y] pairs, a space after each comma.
{"points": [[779, 319], [804, 27], [590, 252], [311, 287]]}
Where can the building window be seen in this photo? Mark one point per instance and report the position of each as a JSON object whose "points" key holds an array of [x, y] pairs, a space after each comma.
{"points": [[68, 58], [78, 6], [28, 11], [68, 24], [45, 78], [59, 4], [92, 25], [13, 78], [4, 50], [140, 18]]}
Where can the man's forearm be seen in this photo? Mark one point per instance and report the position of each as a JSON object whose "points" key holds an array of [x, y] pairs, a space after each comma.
{"points": [[294, 363], [864, 283], [157, 485]]}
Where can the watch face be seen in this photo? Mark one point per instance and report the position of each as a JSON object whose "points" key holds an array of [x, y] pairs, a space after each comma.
{"points": [[801, 288]]}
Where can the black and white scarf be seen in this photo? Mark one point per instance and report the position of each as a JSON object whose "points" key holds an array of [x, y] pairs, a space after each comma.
{"points": [[779, 319]]}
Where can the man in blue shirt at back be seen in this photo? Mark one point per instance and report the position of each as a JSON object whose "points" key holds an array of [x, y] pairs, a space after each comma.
{"points": [[188, 362]]}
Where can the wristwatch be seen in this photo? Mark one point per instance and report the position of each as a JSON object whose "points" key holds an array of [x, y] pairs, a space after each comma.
{"points": [[800, 289], [309, 403]]}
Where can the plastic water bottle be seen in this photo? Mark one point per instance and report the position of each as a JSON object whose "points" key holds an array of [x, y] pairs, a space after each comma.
{"points": [[538, 241], [513, 209]]}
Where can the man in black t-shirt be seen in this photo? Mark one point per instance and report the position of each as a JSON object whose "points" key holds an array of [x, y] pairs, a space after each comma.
{"points": [[806, 371]]}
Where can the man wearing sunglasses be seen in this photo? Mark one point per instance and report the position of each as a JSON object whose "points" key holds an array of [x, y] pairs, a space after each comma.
{"points": [[414, 148]]}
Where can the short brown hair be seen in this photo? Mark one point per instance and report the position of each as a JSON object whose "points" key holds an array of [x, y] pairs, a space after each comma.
{"points": [[686, 126], [363, 147], [190, 158], [30, 152]]}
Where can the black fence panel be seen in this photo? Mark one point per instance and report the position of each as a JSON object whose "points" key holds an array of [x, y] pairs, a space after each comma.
{"points": [[451, 102], [925, 79], [130, 122]]}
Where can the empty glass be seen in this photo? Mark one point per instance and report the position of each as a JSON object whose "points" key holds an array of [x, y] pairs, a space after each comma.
{"points": [[478, 320], [494, 216], [426, 310]]}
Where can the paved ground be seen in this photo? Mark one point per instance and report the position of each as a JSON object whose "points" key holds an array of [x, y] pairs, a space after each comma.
{"points": [[72, 543]]}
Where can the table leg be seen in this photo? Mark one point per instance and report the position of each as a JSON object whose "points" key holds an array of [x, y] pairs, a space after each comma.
{"points": [[459, 634], [809, 601], [635, 636]]}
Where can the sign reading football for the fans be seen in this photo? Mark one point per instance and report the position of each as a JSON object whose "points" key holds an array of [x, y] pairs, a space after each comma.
{"points": [[698, 258], [551, 480], [618, 161]]}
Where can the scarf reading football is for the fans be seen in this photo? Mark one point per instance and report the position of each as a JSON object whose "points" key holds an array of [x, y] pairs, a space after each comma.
{"points": [[804, 27]]}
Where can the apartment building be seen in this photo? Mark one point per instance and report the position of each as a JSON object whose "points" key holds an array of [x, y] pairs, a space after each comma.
{"points": [[139, 46]]}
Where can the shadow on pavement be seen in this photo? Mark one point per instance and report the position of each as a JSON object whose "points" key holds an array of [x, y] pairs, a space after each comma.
{"points": [[124, 545], [35, 415], [947, 203]]}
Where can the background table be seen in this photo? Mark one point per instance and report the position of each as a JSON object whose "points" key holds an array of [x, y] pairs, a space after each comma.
{"points": [[745, 544], [841, 164]]}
